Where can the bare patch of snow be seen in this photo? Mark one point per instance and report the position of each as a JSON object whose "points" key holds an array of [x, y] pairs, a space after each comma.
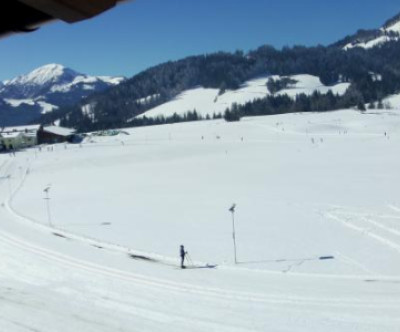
{"points": [[19, 102], [46, 107]]}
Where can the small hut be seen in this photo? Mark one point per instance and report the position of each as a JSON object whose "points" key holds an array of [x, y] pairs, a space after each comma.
{"points": [[54, 134]]}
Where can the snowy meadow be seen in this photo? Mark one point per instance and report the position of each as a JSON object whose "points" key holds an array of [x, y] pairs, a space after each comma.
{"points": [[317, 227]]}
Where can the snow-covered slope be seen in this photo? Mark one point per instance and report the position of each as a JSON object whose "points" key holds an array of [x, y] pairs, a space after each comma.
{"points": [[307, 84], [392, 101], [389, 32], [373, 42], [101, 253], [47, 88], [208, 101]]}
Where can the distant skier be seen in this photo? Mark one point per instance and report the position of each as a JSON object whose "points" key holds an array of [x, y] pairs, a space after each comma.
{"points": [[182, 253]]}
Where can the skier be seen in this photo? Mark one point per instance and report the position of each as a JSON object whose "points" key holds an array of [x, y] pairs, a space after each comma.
{"points": [[182, 253]]}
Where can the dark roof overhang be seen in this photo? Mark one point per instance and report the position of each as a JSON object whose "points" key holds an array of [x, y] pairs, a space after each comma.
{"points": [[28, 15]]}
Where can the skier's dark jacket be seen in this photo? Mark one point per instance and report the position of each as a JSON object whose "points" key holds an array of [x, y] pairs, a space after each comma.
{"points": [[182, 252]]}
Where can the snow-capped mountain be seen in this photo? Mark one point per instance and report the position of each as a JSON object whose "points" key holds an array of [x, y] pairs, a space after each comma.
{"points": [[367, 39], [45, 89]]}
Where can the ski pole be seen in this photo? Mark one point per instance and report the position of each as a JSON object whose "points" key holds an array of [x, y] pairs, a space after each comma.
{"points": [[189, 258]]}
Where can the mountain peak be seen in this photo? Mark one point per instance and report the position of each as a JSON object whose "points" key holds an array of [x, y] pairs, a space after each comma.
{"points": [[44, 75], [46, 88], [51, 66]]}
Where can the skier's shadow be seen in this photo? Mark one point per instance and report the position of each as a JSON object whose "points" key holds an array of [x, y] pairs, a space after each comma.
{"points": [[286, 260]]}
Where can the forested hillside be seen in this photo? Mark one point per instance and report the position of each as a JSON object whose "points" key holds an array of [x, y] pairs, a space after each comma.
{"points": [[373, 73]]}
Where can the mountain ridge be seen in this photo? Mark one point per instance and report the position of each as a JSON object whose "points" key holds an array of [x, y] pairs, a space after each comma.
{"points": [[47, 88], [389, 31]]}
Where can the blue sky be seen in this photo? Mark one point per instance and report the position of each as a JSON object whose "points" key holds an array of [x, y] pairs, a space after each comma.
{"points": [[144, 33]]}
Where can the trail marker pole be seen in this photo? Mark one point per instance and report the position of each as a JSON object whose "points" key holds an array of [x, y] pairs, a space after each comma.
{"points": [[232, 210], [9, 185], [47, 198]]}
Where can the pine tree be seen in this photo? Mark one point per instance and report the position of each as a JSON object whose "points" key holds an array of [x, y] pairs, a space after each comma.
{"points": [[361, 106]]}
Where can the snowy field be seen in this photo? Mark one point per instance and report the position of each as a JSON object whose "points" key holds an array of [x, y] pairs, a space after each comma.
{"points": [[307, 187]]}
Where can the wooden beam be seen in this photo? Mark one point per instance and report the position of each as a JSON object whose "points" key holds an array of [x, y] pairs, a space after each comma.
{"points": [[71, 10]]}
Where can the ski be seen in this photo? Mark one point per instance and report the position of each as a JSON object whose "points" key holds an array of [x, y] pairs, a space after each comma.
{"points": [[192, 267]]}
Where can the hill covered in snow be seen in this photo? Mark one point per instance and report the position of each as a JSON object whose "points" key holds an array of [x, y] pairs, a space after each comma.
{"points": [[44, 90], [367, 39], [210, 102]]}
